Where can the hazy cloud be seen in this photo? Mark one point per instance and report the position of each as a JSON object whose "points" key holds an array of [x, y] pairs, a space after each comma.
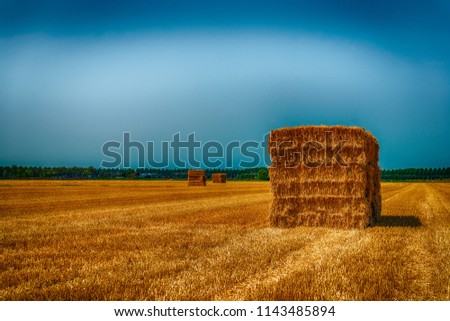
{"points": [[63, 94]]}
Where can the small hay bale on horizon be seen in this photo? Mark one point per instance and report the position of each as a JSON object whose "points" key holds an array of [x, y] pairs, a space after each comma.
{"points": [[219, 178], [196, 178], [324, 176]]}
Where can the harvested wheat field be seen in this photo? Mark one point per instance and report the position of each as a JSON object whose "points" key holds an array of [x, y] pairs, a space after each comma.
{"points": [[142, 240]]}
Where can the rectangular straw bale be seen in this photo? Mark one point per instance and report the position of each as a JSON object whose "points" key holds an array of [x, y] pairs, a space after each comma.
{"points": [[196, 178], [311, 188], [219, 178]]}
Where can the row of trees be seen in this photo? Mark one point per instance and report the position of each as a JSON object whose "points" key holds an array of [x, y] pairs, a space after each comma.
{"points": [[23, 172], [411, 174]]}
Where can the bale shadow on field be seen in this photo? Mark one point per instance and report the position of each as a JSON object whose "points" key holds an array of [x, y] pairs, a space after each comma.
{"points": [[398, 221]]}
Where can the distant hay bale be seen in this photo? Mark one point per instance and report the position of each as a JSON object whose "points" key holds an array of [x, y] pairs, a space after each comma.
{"points": [[196, 178], [219, 178], [324, 176]]}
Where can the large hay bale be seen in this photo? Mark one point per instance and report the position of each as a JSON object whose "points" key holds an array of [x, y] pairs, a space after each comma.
{"points": [[324, 176], [219, 178], [196, 178]]}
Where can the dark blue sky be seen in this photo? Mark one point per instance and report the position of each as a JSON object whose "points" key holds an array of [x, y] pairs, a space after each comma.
{"points": [[75, 74]]}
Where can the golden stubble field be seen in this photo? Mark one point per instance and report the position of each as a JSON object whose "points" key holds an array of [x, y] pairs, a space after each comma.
{"points": [[145, 240]]}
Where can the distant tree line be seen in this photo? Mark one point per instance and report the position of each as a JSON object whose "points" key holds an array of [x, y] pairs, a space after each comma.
{"points": [[415, 174], [24, 172]]}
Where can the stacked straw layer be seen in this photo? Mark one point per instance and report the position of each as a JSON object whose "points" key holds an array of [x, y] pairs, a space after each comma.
{"points": [[196, 178], [341, 191], [219, 178]]}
